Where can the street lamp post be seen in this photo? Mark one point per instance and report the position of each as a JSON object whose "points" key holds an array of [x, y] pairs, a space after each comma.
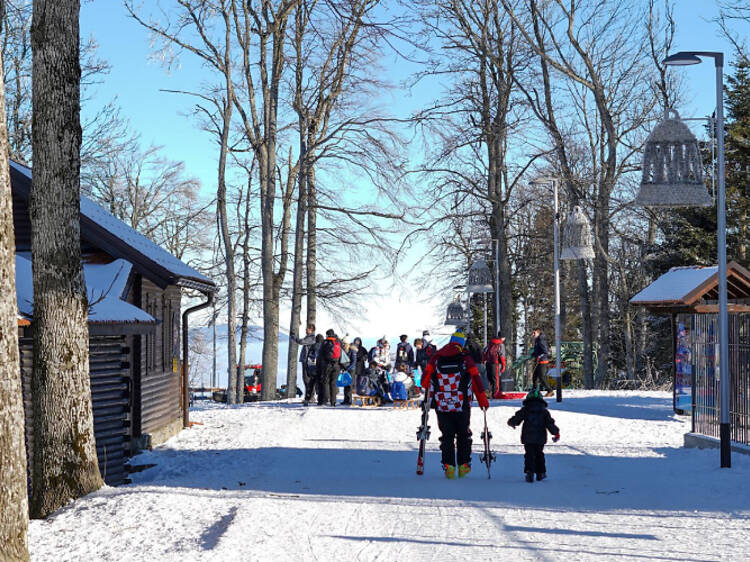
{"points": [[556, 253], [684, 58]]}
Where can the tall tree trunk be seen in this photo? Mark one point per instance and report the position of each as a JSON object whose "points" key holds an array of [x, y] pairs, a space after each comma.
{"points": [[13, 500], [228, 250], [299, 246], [584, 298], [245, 321], [312, 246], [65, 463]]}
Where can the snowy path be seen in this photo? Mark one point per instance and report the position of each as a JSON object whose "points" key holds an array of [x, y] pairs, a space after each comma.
{"points": [[280, 482]]}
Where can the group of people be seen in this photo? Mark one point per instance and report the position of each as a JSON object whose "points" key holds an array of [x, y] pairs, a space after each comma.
{"points": [[370, 372], [450, 373]]}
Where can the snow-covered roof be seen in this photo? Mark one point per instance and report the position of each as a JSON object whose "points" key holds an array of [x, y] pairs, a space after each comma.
{"points": [[675, 285], [105, 287], [696, 287], [140, 244]]}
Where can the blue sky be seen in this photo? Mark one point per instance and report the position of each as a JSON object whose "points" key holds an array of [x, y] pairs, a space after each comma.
{"points": [[136, 81]]}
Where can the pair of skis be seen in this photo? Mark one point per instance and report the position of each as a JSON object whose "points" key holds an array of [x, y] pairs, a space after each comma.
{"points": [[488, 456], [423, 434]]}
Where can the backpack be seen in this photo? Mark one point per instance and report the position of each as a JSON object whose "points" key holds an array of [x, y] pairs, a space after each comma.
{"points": [[402, 356], [451, 384], [365, 387], [398, 391], [312, 355], [336, 351], [429, 350]]}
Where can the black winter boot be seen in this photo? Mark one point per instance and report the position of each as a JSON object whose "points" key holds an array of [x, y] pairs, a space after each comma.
{"points": [[529, 477], [541, 476]]}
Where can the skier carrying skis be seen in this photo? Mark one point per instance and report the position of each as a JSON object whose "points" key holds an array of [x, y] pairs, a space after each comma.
{"points": [[536, 421], [494, 360], [453, 376]]}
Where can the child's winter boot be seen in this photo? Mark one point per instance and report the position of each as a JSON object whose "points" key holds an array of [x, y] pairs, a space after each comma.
{"points": [[450, 471], [529, 477], [463, 470]]}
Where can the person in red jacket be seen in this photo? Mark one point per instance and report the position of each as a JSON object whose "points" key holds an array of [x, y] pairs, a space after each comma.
{"points": [[454, 376], [494, 360]]}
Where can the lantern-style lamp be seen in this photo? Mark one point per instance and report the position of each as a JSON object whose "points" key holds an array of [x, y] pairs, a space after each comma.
{"points": [[480, 278], [672, 167], [454, 316], [576, 242]]}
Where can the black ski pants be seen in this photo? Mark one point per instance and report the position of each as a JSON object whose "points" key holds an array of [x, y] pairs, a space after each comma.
{"points": [[455, 438], [493, 377], [540, 377], [327, 388], [533, 459], [309, 376]]}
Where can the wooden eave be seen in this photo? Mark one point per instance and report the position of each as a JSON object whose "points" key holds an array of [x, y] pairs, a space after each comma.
{"points": [[738, 288]]}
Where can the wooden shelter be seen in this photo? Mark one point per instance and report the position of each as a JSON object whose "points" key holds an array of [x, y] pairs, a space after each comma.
{"points": [[135, 289], [689, 295]]}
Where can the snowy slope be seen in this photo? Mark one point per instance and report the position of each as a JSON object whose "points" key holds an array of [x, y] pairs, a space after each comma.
{"points": [[276, 481]]}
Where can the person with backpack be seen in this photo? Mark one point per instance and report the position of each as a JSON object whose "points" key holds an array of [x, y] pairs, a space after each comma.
{"points": [[424, 351], [328, 369], [536, 421], [495, 363], [540, 355], [306, 343], [404, 354], [454, 378], [311, 368]]}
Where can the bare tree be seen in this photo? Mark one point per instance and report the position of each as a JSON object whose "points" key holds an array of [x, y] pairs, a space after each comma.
{"points": [[65, 462], [13, 500]]}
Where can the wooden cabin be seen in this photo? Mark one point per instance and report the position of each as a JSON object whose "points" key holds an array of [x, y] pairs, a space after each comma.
{"points": [[689, 295], [135, 289]]}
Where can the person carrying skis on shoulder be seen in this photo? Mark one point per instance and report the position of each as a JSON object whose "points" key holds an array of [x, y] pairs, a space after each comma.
{"points": [[536, 421], [404, 354], [328, 369], [540, 354], [494, 361], [454, 377]]}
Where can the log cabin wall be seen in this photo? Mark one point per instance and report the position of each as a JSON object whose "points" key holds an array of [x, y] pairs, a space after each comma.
{"points": [[159, 372]]}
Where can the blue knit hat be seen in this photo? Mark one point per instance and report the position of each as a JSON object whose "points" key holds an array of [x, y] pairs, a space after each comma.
{"points": [[459, 338]]}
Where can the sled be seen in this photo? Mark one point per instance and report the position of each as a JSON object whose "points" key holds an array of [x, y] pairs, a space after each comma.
{"points": [[408, 404], [365, 401]]}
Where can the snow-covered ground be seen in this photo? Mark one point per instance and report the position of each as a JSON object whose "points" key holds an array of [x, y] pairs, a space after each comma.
{"points": [[277, 481]]}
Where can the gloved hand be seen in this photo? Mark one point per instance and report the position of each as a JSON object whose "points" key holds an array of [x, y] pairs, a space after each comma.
{"points": [[482, 399], [556, 438]]}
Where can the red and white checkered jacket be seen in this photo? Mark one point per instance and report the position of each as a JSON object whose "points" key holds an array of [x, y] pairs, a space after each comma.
{"points": [[448, 396]]}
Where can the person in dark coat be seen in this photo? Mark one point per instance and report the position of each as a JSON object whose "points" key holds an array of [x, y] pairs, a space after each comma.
{"points": [[540, 354], [404, 355], [311, 368], [308, 374], [328, 369], [536, 421]]}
